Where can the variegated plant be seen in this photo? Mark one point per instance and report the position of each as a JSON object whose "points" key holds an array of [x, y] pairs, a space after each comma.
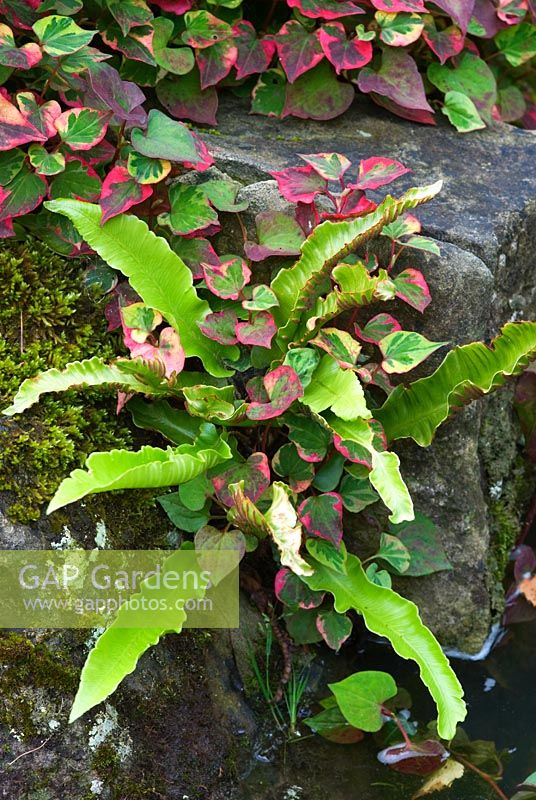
{"points": [[283, 429]]}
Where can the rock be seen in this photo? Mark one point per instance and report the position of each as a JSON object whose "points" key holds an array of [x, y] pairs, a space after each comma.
{"points": [[485, 222]]}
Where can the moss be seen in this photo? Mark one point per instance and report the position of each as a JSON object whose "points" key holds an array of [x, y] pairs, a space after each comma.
{"points": [[46, 320], [25, 669]]}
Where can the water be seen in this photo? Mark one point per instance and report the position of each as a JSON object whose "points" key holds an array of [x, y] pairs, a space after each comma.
{"points": [[501, 707]]}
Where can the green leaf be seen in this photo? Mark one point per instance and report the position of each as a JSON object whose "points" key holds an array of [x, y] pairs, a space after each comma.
{"points": [[462, 112], [394, 553], [209, 542], [149, 467], [357, 493], [170, 140], [387, 614], [361, 695], [287, 464], [467, 372], [45, 163], [177, 60], [92, 372], [118, 650], [387, 480], [379, 576], [60, 36], [147, 170], [517, 43], [158, 275], [471, 77], [326, 553], [421, 539], [184, 518], [173, 423], [194, 493], [404, 350], [190, 210], [304, 361], [76, 180], [297, 287], [336, 388]]}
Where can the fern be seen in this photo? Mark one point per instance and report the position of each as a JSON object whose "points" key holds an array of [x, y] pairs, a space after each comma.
{"points": [[79, 374], [150, 467], [387, 614], [297, 287], [155, 272], [416, 411]]}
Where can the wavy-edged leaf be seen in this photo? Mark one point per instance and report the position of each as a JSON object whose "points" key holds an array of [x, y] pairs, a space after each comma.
{"points": [[387, 614], [150, 467], [92, 372], [386, 478], [336, 388], [155, 272], [466, 373], [118, 649], [297, 287]]}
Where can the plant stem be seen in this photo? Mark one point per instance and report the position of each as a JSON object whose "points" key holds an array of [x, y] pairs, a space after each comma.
{"points": [[389, 713], [498, 791]]}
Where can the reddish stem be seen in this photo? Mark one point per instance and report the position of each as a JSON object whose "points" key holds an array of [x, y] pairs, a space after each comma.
{"points": [[388, 713], [498, 791]]}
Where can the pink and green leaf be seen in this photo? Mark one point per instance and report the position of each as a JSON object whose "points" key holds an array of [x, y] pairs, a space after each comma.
{"points": [[255, 472], [293, 592], [283, 388], [399, 30], [254, 54], [76, 181], [184, 98], [120, 192], [259, 332], [330, 166], [460, 11], [220, 326], [262, 298], [398, 80], [228, 278], [82, 128], [321, 516], [444, 42], [177, 60], [375, 172], [24, 193], [205, 30], [334, 628], [412, 288], [59, 36], [15, 128], [24, 57], [395, 6], [326, 9], [299, 49], [318, 94], [191, 211], [45, 163], [311, 439], [378, 328], [340, 344], [277, 234], [172, 141], [342, 52], [299, 184], [195, 252], [41, 116], [216, 62]]}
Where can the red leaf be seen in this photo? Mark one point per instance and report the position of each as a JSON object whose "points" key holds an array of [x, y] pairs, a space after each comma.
{"points": [[460, 11], [183, 97], [419, 759], [375, 172], [120, 192], [283, 387], [325, 9], [42, 116], [216, 62], [299, 49], [15, 129], [24, 193], [342, 52], [299, 184], [412, 288], [322, 516], [354, 203], [220, 326], [398, 80], [444, 43], [255, 472], [354, 452], [260, 332], [24, 57], [254, 54]]}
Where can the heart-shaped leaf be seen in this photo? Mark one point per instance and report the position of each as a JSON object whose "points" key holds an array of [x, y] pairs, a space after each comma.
{"points": [[292, 591], [413, 289], [220, 326], [378, 328], [311, 439], [228, 278], [299, 184], [288, 464], [283, 387], [375, 172], [341, 345], [259, 332], [298, 48], [334, 628], [172, 141], [82, 128], [404, 350], [394, 553], [360, 698], [277, 234], [120, 192], [210, 542], [255, 472], [321, 516], [342, 52]]}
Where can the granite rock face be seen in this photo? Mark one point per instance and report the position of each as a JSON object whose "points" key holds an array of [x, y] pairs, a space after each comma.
{"points": [[485, 222]]}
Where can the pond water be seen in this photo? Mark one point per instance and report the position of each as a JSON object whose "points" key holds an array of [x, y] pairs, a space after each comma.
{"points": [[501, 707]]}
